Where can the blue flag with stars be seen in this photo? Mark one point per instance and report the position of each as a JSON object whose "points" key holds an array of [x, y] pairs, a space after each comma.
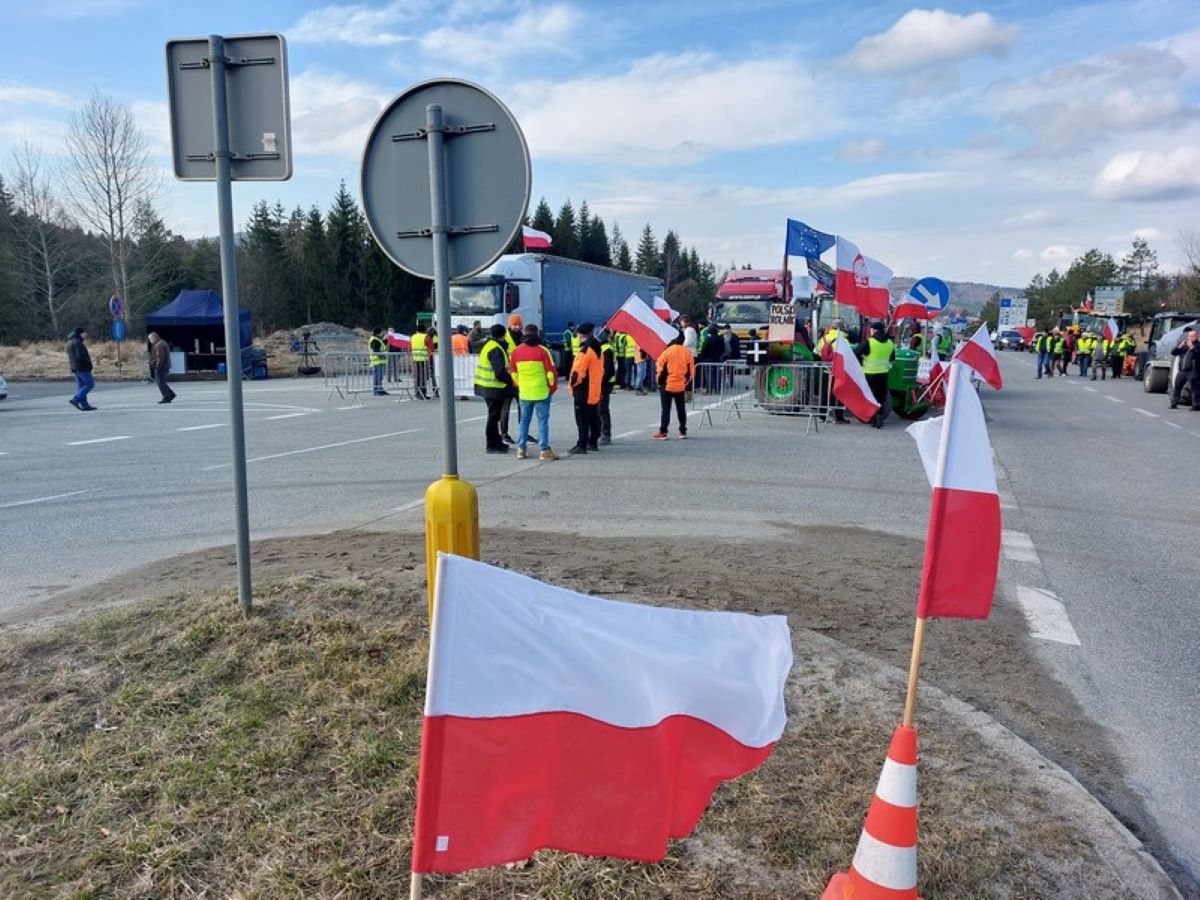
{"points": [[805, 241]]}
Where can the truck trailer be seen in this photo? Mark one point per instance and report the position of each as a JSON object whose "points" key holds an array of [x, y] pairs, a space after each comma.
{"points": [[547, 291]]}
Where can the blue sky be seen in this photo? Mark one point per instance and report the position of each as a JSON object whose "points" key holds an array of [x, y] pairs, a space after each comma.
{"points": [[971, 141]]}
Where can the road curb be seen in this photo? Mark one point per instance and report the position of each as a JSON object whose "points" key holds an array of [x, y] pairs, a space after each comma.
{"points": [[1125, 855]]}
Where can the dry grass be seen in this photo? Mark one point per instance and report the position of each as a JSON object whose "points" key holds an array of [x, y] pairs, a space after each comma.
{"points": [[175, 749]]}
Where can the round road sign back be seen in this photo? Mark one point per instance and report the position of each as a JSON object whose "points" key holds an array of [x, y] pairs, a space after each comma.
{"points": [[487, 177]]}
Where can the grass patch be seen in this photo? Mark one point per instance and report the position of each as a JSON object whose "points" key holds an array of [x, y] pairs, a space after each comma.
{"points": [[176, 749]]}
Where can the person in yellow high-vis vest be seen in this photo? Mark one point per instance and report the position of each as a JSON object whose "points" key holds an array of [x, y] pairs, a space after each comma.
{"points": [[377, 348], [420, 358], [536, 379], [877, 352], [493, 382]]}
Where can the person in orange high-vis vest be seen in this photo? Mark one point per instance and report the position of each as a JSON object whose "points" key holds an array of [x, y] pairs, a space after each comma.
{"points": [[676, 370], [587, 381], [460, 344]]}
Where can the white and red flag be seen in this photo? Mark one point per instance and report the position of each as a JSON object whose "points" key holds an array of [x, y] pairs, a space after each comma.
{"points": [[534, 239], [650, 331], [398, 341], [962, 545], [980, 355], [663, 310], [1088, 302], [559, 720], [1111, 330], [862, 282], [914, 306], [850, 384]]}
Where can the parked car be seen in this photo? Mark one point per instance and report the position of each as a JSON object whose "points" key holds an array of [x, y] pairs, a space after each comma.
{"points": [[1011, 340]]}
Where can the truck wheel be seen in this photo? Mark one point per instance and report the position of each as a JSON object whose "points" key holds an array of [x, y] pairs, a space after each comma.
{"points": [[1155, 380]]}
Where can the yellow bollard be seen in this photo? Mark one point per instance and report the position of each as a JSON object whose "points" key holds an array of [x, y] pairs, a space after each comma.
{"points": [[451, 524]]}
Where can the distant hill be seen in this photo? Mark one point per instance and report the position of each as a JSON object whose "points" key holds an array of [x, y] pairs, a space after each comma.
{"points": [[969, 295]]}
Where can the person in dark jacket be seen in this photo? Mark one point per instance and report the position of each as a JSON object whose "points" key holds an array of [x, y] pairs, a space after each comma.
{"points": [[160, 365], [81, 367], [1189, 368], [711, 352], [494, 384]]}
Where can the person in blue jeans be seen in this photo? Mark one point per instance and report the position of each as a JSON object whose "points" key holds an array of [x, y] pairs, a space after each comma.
{"points": [[536, 380], [81, 367], [1045, 350]]}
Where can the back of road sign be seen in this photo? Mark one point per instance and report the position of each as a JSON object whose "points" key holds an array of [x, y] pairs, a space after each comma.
{"points": [[256, 85], [486, 172]]}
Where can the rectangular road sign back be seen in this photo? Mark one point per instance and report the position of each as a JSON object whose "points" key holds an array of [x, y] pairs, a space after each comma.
{"points": [[260, 129]]}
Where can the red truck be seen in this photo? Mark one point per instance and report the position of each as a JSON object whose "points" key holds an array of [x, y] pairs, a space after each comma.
{"points": [[744, 299]]}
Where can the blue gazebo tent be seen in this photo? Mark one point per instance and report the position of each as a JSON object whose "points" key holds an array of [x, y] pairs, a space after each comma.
{"points": [[194, 322]]}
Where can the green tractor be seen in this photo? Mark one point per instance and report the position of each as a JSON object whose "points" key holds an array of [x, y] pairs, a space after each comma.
{"points": [[909, 397]]}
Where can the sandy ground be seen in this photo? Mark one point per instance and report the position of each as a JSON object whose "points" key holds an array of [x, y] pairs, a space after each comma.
{"points": [[825, 580]]}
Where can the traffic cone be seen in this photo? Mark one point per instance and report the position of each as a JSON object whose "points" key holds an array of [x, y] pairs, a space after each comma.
{"points": [[885, 863]]}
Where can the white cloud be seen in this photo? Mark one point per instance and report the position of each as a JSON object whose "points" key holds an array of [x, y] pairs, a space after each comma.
{"points": [[358, 24], [1057, 253], [540, 30], [927, 37], [1150, 175], [1036, 218], [331, 113], [1022, 255], [670, 110], [28, 95], [868, 148]]}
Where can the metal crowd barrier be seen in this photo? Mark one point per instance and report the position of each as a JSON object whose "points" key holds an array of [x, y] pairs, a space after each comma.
{"points": [[350, 375], [781, 389]]}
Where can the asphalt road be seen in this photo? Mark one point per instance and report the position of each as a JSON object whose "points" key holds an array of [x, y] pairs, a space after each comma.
{"points": [[1096, 484]]}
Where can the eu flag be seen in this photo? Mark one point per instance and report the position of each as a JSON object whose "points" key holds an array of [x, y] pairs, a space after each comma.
{"points": [[805, 241]]}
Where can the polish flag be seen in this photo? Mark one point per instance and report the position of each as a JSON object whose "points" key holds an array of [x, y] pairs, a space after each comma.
{"points": [[564, 721], [1111, 330], [962, 545], [398, 341], [850, 384], [913, 306], [980, 355], [862, 282], [663, 310], [534, 239], [649, 330]]}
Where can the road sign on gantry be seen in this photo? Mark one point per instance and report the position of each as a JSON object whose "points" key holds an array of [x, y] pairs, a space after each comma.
{"points": [[256, 88], [487, 177]]}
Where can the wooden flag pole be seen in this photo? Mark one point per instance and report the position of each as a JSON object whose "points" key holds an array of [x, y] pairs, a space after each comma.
{"points": [[914, 667], [414, 887]]}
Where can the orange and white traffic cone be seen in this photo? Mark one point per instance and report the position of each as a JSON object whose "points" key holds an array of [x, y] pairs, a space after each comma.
{"points": [[885, 863]]}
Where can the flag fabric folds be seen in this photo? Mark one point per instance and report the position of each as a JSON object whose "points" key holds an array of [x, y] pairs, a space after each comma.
{"points": [[913, 306], [649, 330], [850, 384], [534, 239], [822, 274], [559, 720], [980, 355], [802, 240], [1111, 330], [962, 544], [663, 310], [862, 282]]}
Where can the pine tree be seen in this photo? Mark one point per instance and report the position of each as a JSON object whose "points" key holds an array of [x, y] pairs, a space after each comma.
{"points": [[615, 240], [597, 243], [649, 260], [671, 268], [583, 227], [347, 235], [314, 269], [543, 218], [155, 262], [624, 257], [565, 233], [263, 266]]}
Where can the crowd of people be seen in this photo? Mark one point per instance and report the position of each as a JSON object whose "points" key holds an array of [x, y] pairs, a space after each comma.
{"points": [[1093, 354]]}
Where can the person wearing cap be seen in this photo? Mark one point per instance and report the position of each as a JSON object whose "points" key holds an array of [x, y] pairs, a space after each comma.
{"points": [[512, 340], [676, 371], [586, 382], [460, 344], [877, 353], [81, 367], [608, 355], [1189, 367], [494, 383], [536, 380]]}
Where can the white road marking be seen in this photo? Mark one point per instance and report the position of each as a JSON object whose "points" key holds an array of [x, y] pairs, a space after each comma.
{"points": [[1092, 389], [284, 416], [626, 434], [1046, 615], [472, 419], [1018, 546], [1007, 500], [374, 437], [1145, 412], [1194, 433], [44, 499], [119, 437], [1113, 399], [407, 506], [202, 427]]}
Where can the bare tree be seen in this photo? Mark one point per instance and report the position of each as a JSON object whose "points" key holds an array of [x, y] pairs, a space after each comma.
{"points": [[110, 175], [1189, 243], [40, 223]]}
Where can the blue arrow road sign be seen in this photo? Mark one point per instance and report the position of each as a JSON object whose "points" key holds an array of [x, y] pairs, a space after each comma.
{"points": [[932, 292]]}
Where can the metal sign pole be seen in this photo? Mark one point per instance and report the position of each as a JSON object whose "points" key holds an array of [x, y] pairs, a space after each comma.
{"points": [[441, 284], [233, 342]]}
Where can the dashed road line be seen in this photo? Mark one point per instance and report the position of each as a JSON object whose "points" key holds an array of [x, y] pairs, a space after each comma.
{"points": [[1173, 425], [361, 440], [44, 499], [1092, 389], [1018, 546], [1113, 399], [285, 416], [626, 434], [103, 440], [1046, 615], [202, 427], [1145, 412]]}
